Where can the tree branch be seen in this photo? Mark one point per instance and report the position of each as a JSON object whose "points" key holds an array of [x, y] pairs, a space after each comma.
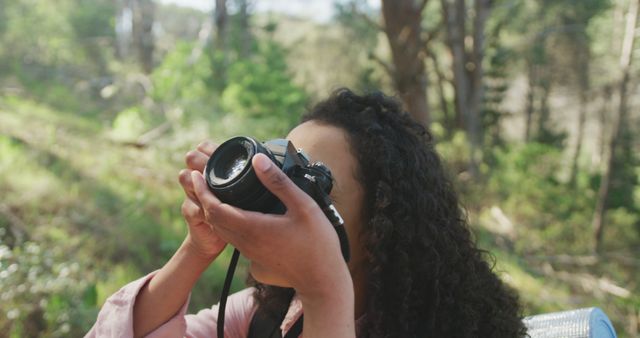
{"points": [[423, 4], [429, 36], [367, 18], [387, 67]]}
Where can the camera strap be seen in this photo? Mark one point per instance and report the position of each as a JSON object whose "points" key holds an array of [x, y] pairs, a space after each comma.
{"points": [[296, 329], [225, 291], [260, 323], [264, 325]]}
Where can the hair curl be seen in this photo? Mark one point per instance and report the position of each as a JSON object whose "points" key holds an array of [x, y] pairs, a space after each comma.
{"points": [[427, 277]]}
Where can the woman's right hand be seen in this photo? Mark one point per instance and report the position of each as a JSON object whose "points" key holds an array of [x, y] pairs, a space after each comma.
{"points": [[201, 238]]}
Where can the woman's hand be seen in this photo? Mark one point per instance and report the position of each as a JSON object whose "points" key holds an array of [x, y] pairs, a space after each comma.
{"points": [[202, 237], [300, 248]]}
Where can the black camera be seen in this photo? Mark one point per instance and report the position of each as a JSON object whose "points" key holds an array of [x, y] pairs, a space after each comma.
{"points": [[230, 176]]}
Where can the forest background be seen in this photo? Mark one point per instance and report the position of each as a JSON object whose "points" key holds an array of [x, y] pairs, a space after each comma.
{"points": [[533, 105]]}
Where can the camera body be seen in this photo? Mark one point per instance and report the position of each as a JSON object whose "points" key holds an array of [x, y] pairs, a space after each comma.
{"points": [[230, 176]]}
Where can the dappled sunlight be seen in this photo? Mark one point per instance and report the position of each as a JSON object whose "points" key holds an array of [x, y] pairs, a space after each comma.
{"points": [[96, 117]]}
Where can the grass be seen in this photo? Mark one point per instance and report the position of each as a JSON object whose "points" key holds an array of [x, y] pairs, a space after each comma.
{"points": [[114, 208]]}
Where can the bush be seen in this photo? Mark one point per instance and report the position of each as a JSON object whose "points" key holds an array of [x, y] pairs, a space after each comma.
{"points": [[180, 80], [261, 87], [44, 294], [543, 208]]}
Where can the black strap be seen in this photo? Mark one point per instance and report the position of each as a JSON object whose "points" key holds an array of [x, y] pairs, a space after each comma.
{"points": [[296, 329], [225, 292], [266, 326]]}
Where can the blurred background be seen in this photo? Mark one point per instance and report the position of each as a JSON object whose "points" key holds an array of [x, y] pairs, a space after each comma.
{"points": [[533, 105]]}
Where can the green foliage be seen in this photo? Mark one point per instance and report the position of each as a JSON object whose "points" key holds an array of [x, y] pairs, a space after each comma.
{"points": [[181, 77], [541, 204], [580, 12], [455, 150], [356, 30], [112, 211], [258, 89], [497, 83], [89, 21], [361, 39], [83, 214], [94, 31], [626, 178], [56, 49], [42, 291], [526, 180], [261, 87], [33, 36], [129, 124], [3, 17]]}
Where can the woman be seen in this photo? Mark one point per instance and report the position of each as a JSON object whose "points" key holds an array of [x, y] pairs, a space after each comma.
{"points": [[415, 270]]}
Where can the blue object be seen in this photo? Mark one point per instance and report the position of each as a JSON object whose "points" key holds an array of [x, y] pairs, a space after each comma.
{"points": [[580, 323]]}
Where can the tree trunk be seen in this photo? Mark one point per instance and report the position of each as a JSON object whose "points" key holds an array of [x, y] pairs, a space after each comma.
{"points": [[220, 19], [605, 184], [582, 117], [583, 69], [123, 28], [245, 28], [449, 124], [454, 14], [402, 26], [476, 97], [3, 16], [531, 99], [143, 18], [468, 72], [604, 112], [219, 52], [543, 133]]}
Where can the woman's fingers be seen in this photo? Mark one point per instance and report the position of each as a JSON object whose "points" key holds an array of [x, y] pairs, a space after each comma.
{"points": [[209, 202], [196, 160], [214, 210], [192, 212], [184, 177], [207, 148], [235, 225], [280, 185]]}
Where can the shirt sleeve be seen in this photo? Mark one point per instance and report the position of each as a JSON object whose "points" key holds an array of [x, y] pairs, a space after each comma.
{"points": [[238, 314], [115, 318]]}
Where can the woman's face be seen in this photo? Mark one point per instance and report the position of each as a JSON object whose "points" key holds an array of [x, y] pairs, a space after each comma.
{"points": [[330, 145]]}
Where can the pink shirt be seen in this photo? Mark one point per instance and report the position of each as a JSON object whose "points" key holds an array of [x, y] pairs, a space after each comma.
{"points": [[116, 316]]}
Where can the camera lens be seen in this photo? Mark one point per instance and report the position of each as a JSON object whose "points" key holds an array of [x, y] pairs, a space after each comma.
{"points": [[229, 162], [236, 166], [231, 178]]}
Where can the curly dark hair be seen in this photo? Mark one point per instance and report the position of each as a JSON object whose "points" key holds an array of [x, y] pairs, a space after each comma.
{"points": [[427, 278]]}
